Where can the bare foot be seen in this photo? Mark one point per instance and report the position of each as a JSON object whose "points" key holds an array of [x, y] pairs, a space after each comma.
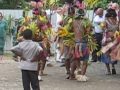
{"points": [[49, 65], [72, 78]]}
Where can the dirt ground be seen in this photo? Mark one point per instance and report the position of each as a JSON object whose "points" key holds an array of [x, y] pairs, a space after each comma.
{"points": [[10, 77]]}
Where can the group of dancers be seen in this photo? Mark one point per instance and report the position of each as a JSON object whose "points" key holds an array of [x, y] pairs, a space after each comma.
{"points": [[77, 36]]}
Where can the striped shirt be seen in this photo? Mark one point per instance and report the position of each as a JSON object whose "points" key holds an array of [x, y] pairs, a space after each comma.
{"points": [[29, 50]]}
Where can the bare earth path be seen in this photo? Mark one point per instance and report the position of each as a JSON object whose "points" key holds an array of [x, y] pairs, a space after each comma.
{"points": [[10, 78]]}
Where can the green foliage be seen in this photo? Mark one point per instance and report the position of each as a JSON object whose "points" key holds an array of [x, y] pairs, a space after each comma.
{"points": [[13, 4], [52, 3], [9, 4], [102, 3], [24, 5], [86, 23], [10, 23], [47, 4]]}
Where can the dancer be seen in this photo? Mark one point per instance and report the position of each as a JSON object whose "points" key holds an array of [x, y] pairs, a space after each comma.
{"points": [[67, 38], [82, 48], [46, 53], [111, 24]]}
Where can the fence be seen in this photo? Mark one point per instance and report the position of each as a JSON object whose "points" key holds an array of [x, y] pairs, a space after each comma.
{"points": [[16, 14]]}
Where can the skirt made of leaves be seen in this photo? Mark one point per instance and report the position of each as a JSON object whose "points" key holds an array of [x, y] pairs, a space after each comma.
{"points": [[84, 51]]}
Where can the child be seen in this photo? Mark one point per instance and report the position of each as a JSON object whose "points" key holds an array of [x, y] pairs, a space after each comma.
{"points": [[27, 50]]}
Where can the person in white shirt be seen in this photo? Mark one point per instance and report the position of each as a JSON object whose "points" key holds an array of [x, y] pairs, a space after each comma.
{"points": [[27, 50], [98, 19]]}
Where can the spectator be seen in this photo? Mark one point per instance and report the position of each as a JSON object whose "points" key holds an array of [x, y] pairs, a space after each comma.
{"points": [[3, 29], [98, 19], [27, 50]]}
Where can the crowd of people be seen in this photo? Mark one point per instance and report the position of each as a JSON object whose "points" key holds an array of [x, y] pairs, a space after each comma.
{"points": [[76, 40], [103, 32]]}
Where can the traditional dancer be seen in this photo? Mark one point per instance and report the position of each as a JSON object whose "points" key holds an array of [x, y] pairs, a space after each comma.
{"points": [[84, 40], [67, 36], [43, 57], [111, 26]]}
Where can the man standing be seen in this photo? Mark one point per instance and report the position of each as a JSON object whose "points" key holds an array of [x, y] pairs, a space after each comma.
{"points": [[3, 29], [98, 20]]}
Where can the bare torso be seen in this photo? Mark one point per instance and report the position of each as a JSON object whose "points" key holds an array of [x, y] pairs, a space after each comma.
{"points": [[77, 28]]}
